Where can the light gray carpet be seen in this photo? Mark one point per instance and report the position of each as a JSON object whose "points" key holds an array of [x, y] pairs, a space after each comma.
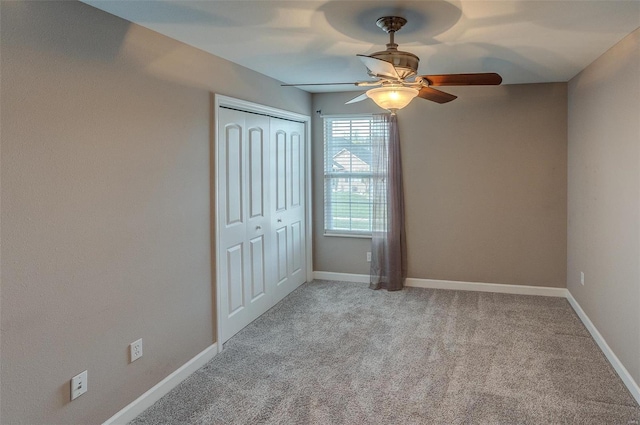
{"points": [[340, 353]]}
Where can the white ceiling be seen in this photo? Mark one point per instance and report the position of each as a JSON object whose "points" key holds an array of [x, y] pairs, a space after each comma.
{"points": [[316, 41]]}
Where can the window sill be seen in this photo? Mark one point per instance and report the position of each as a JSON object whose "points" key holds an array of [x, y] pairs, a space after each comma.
{"points": [[347, 235]]}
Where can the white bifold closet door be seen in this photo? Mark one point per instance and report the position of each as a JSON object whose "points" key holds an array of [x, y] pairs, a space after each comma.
{"points": [[287, 207], [261, 215]]}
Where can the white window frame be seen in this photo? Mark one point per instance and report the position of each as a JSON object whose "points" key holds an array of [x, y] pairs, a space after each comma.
{"points": [[330, 175]]}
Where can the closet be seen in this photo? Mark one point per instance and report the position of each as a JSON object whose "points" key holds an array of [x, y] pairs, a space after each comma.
{"points": [[261, 214]]}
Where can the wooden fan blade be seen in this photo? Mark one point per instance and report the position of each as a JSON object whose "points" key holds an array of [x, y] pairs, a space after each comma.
{"points": [[484, 79], [356, 99], [379, 67], [435, 95]]}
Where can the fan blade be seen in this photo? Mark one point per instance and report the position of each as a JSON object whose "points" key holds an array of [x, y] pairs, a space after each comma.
{"points": [[436, 95], [485, 79], [379, 67], [356, 99], [318, 84]]}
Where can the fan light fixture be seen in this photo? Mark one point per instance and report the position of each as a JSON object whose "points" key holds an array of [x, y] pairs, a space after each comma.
{"points": [[392, 98]]}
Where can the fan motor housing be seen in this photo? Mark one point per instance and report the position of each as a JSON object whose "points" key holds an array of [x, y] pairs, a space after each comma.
{"points": [[406, 63]]}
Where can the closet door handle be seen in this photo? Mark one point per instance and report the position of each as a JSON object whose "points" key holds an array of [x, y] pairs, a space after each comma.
{"points": [[258, 227], [279, 220]]}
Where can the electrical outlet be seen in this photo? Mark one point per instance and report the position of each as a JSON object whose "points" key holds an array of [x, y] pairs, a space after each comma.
{"points": [[582, 278], [136, 350], [368, 257], [78, 385]]}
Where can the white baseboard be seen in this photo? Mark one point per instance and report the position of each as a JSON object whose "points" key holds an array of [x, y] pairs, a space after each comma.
{"points": [[501, 288], [142, 403], [624, 374], [341, 277], [452, 285]]}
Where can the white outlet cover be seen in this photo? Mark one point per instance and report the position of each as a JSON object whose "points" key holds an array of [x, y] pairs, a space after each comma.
{"points": [[135, 349], [78, 385]]}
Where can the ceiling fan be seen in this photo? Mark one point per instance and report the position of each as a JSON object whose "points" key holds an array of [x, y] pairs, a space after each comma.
{"points": [[396, 73]]}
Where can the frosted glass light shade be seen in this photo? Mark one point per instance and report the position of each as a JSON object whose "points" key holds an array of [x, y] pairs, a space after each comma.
{"points": [[392, 98]]}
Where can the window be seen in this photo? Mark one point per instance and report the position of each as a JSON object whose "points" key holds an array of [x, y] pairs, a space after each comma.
{"points": [[347, 175]]}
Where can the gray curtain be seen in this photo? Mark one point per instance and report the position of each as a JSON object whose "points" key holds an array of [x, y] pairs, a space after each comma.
{"points": [[388, 242]]}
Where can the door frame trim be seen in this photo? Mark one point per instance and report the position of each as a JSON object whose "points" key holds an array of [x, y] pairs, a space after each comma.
{"points": [[221, 101]]}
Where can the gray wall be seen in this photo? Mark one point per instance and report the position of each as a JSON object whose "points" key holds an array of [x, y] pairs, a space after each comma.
{"points": [[485, 186], [604, 197], [105, 205]]}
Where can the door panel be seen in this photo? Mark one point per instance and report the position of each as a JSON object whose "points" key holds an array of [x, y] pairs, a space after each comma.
{"points": [[256, 172], [244, 230], [288, 216], [281, 252], [296, 247], [235, 279], [258, 223], [295, 175], [234, 165], [281, 170], [257, 267]]}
